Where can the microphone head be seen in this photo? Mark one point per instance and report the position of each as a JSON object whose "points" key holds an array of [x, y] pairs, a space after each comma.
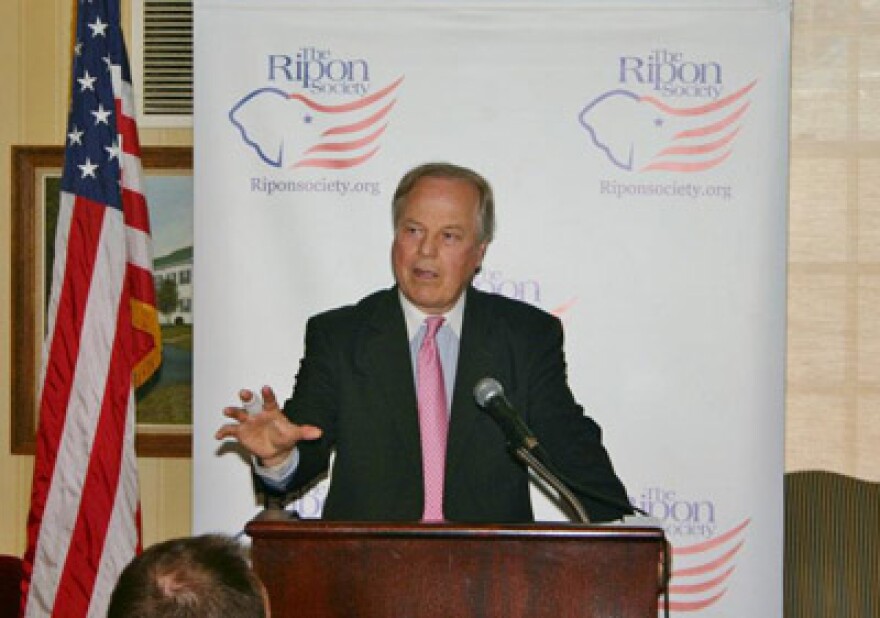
{"points": [[486, 390]]}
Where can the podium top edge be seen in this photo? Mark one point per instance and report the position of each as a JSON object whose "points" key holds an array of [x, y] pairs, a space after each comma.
{"points": [[275, 528]]}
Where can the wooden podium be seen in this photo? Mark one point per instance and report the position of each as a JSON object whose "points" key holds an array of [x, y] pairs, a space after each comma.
{"points": [[365, 570]]}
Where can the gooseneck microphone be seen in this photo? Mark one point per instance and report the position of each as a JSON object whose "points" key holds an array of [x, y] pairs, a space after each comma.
{"points": [[489, 395]]}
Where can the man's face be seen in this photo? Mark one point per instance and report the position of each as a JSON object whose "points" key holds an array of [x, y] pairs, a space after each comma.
{"points": [[436, 248]]}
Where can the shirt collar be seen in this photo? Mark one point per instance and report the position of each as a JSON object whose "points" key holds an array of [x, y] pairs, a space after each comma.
{"points": [[415, 317]]}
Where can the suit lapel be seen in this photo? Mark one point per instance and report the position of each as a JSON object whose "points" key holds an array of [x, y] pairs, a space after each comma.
{"points": [[384, 359], [474, 363]]}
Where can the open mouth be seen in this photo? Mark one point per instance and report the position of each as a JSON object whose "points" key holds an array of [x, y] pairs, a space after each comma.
{"points": [[425, 274]]}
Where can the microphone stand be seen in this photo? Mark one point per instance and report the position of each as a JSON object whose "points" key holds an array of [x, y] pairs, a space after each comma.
{"points": [[273, 509], [526, 456]]}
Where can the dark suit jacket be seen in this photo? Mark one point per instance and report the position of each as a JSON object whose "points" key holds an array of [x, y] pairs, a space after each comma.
{"points": [[356, 383]]}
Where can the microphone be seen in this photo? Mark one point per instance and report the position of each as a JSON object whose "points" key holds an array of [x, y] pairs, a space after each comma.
{"points": [[490, 396]]}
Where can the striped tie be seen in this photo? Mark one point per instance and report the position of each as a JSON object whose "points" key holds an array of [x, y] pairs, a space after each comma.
{"points": [[433, 420]]}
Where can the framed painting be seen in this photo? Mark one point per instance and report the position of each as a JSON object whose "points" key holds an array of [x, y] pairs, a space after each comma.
{"points": [[164, 410]]}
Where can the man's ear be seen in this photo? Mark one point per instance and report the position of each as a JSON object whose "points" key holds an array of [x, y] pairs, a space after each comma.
{"points": [[482, 251]]}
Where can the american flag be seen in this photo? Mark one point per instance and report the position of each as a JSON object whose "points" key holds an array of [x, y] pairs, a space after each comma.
{"points": [[102, 340]]}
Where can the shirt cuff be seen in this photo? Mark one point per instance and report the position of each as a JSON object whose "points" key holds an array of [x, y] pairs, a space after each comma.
{"points": [[276, 477]]}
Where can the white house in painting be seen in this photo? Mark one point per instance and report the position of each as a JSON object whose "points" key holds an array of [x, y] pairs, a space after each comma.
{"points": [[177, 266]]}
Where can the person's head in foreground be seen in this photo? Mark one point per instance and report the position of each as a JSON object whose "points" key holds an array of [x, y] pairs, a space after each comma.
{"points": [[204, 576]]}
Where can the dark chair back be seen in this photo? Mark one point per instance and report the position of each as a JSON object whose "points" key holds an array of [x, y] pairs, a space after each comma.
{"points": [[10, 585], [832, 546]]}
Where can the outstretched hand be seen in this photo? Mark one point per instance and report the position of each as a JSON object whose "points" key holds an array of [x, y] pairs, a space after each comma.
{"points": [[266, 434]]}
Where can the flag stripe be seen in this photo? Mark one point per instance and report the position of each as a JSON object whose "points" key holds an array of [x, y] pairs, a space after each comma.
{"points": [[57, 462], [139, 253], [85, 410], [103, 334], [49, 425], [102, 474], [128, 131], [122, 526], [132, 175]]}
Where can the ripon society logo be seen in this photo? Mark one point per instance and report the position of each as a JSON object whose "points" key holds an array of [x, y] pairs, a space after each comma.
{"points": [[671, 115], [702, 571], [327, 114]]}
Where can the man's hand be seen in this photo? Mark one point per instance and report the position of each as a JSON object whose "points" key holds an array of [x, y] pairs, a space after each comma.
{"points": [[267, 434]]}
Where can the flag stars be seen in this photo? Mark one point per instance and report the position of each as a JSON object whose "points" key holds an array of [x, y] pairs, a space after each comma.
{"points": [[91, 178], [75, 136], [113, 150], [101, 115], [86, 82], [99, 28], [88, 169], [77, 49]]}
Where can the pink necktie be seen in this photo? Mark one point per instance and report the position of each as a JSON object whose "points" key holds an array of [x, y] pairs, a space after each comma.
{"points": [[433, 420]]}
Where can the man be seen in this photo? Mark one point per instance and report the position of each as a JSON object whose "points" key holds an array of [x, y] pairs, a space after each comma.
{"points": [[356, 390], [198, 577]]}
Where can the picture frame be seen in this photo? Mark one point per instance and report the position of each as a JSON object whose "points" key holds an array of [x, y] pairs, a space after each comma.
{"points": [[36, 173]]}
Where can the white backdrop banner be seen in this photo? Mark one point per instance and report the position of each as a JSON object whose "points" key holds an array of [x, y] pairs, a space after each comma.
{"points": [[639, 156]]}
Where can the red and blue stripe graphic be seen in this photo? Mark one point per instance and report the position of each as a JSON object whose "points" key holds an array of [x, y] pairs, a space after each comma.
{"points": [[294, 131], [641, 133]]}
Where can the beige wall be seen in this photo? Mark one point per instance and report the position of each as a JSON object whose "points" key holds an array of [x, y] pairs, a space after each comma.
{"points": [[34, 47], [833, 382]]}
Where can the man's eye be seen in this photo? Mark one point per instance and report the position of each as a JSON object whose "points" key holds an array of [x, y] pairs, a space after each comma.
{"points": [[451, 236]]}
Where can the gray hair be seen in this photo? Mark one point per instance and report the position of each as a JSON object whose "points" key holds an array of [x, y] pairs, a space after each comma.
{"points": [[485, 212]]}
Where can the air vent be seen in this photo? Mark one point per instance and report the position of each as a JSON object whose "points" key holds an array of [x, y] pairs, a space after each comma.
{"points": [[162, 60]]}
